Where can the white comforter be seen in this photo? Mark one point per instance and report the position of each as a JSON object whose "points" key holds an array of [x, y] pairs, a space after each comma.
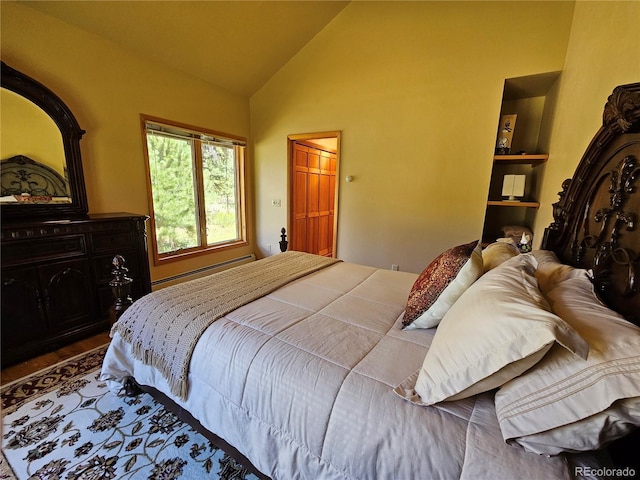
{"points": [[301, 382]]}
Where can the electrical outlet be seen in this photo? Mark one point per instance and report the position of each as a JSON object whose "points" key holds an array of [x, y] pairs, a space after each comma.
{"points": [[276, 202], [395, 267], [269, 248]]}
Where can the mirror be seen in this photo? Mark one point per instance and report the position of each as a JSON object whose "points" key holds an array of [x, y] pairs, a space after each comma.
{"points": [[40, 161]]}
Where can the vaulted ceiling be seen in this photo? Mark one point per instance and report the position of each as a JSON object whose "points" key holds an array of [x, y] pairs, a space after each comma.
{"points": [[236, 45]]}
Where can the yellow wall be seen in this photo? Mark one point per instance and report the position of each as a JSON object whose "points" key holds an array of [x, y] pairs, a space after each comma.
{"points": [[415, 89], [107, 89], [30, 132], [603, 52]]}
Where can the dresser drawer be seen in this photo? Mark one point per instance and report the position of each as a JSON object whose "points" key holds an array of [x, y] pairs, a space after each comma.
{"points": [[111, 241], [36, 250]]}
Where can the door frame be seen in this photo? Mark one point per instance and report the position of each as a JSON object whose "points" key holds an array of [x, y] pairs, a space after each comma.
{"points": [[309, 137]]}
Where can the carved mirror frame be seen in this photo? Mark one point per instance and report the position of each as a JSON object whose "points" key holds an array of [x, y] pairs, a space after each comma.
{"points": [[71, 132]]}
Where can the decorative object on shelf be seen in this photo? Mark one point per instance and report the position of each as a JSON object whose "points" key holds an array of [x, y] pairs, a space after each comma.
{"points": [[524, 244], [505, 134], [513, 186]]}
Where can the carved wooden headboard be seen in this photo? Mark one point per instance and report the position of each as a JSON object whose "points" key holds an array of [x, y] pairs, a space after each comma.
{"points": [[20, 175], [596, 219]]}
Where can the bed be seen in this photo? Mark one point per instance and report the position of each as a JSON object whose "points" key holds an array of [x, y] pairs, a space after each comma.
{"points": [[488, 364]]}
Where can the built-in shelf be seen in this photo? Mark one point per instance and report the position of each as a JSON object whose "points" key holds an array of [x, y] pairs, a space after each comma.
{"points": [[531, 160], [527, 158], [506, 203], [531, 98]]}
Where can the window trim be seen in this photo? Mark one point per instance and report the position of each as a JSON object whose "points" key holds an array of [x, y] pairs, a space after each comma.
{"points": [[241, 174]]}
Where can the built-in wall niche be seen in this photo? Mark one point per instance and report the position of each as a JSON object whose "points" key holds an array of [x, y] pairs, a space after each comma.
{"points": [[532, 98]]}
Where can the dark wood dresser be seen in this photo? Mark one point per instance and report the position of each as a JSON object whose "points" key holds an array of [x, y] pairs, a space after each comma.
{"points": [[55, 278]]}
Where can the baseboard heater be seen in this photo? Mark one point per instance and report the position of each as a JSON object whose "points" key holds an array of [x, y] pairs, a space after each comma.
{"points": [[201, 272]]}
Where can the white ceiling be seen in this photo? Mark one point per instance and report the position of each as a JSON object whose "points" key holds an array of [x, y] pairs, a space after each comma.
{"points": [[237, 45]]}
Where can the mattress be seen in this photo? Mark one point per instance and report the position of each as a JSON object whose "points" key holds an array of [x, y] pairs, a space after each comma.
{"points": [[301, 382]]}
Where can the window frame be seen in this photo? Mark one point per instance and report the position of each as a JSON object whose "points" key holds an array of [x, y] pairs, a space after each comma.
{"points": [[203, 248]]}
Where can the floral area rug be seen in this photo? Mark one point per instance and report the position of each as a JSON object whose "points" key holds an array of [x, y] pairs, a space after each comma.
{"points": [[64, 423]]}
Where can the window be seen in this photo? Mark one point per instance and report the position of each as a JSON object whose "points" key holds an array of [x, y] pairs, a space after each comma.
{"points": [[196, 189]]}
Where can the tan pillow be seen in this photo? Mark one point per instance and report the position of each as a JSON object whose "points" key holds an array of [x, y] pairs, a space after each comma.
{"points": [[550, 271], [497, 253], [441, 284], [568, 404], [496, 330]]}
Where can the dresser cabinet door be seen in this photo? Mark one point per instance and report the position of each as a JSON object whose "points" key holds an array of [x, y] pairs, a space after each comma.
{"points": [[68, 294], [23, 314]]}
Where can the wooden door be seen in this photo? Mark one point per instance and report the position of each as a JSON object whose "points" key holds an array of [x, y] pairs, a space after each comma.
{"points": [[325, 197], [313, 199], [298, 235]]}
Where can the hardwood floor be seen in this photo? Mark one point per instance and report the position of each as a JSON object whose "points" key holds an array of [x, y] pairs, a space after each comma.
{"points": [[33, 365]]}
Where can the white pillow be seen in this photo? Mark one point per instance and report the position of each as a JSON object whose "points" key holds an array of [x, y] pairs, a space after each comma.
{"points": [[568, 404], [591, 433], [441, 284], [496, 330]]}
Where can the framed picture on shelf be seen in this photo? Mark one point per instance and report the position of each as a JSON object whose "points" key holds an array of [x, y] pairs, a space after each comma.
{"points": [[505, 133]]}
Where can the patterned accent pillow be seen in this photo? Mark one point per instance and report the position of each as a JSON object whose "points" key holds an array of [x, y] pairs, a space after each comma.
{"points": [[441, 284]]}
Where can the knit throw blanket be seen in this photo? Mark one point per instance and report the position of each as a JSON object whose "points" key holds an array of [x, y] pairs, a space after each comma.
{"points": [[164, 326]]}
